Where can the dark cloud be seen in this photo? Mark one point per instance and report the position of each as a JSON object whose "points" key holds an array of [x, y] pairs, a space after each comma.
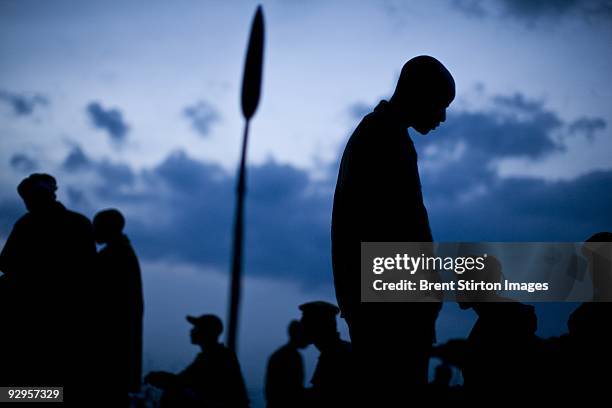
{"points": [[203, 116], [112, 176], [587, 126], [23, 163], [513, 126], [76, 159], [23, 104], [460, 156], [287, 219], [531, 11], [110, 120], [525, 209]]}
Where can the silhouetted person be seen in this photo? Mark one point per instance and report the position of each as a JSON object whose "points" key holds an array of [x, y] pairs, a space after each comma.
{"points": [[119, 269], [378, 198], [285, 371], [214, 379], [501, 345], [590, 327], [48, 265], [334, 376]]}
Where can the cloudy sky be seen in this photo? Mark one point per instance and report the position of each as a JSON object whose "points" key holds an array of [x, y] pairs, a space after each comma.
{"points": [[134, 105]]}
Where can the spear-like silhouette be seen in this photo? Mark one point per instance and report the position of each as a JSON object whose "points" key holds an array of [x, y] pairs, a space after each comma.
{"points": [[251, 89]]}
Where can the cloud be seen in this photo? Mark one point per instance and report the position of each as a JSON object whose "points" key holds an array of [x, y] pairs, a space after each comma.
{"points": [[532, 11], [286, 218], [23, 163], [109, 177], [203, 116], [587, 126], [526, 209], [460, 157], [76, 159], [23, 104], [110, 120]]}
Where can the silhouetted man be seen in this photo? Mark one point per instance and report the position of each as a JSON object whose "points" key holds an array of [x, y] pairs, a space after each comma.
{"points": [[48, 265], [378, 198], [120, 272], [334, 376], [214, 379], [285, 372]]}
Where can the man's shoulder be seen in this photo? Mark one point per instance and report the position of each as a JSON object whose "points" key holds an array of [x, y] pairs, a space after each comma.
{"points": [[372, 123], [23, 222], [366, 136]]}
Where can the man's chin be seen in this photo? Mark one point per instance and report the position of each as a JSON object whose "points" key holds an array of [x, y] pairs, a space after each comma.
{"points": [[423, 131]]}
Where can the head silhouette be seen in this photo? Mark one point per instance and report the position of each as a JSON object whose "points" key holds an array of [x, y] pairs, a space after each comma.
{"points": [[424, 90], [206, 329], [108, 225], [38, 192], [296, 334], [319, 322]]}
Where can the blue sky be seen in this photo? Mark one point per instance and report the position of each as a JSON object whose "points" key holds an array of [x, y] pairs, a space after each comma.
{"points": [[134, 105]]}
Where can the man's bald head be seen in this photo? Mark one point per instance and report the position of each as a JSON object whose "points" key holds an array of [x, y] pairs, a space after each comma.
{"points": [[425, 77], [424, 90]]}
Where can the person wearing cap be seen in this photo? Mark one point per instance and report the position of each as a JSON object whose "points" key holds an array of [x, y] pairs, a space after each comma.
{"points": [[333, 380], [118, 264], [378, 198], [48, 263], [285, 371], [213, 379]]}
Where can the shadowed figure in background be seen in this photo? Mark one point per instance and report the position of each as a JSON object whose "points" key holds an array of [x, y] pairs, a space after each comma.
{"points": [[285, 371], [48, 263], [590, 327], [118, 267], [501, 347], [333, 382], [378, 198], [214, 379]]}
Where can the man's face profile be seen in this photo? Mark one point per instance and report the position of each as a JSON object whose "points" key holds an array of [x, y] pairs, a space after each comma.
{"points": [[429, 116], [424, 91]]}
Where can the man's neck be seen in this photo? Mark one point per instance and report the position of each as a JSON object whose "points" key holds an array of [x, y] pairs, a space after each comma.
{"points": [[396, 112]]}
